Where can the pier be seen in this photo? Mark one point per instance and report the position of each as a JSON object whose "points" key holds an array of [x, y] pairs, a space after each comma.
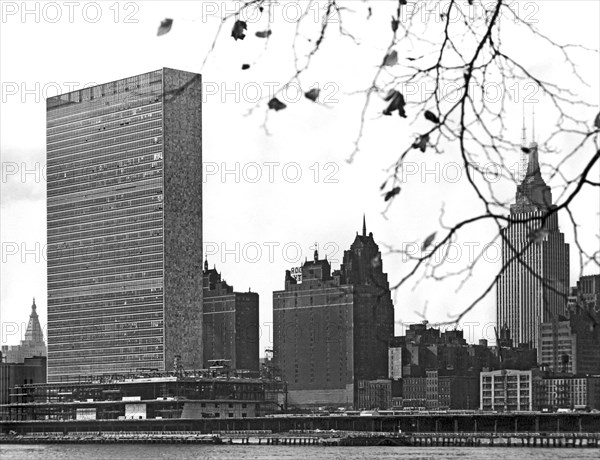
{"points": [[483, 429]]}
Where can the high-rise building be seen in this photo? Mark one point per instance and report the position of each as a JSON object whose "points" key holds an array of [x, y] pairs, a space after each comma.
{"points": [[124, 218], [332, 329], [230, 324], [534, 284], [570, 345], [32, 344], [585, 297]]}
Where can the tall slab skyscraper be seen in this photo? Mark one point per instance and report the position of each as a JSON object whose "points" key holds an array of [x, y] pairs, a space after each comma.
{"points": [[124, 215], [534, 287]]}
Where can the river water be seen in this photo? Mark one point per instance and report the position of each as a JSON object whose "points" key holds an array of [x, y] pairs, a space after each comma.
{"points": [[243, 452]]}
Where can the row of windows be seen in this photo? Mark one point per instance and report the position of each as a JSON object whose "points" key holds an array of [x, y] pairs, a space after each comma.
{"points": [[61, 118], [104, 130], [106, 366], [153, 170], [78, 198], [126, 195], [104, 323], [116, 312], [65, 262], [93, 349], [142, 337], [103, 155], [89, 125], [115, 159], [149, 301], [150, 135], [96, 364], [130, 205], [95, 248], [139, 259], [106, 174], [146, 288], [69, 295], [119, 194], [106, 275], [120, 277], [134, 228], [109, 219]]}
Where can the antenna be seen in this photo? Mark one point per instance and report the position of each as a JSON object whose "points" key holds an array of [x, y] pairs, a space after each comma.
{"points": [[524, 136], [533, 123]]}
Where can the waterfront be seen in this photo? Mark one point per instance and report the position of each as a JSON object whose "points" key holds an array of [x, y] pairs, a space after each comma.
{"points": [[238, 452]]}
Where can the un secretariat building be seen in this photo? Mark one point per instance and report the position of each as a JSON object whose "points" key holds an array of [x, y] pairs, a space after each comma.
{"points": [[124, 219]]}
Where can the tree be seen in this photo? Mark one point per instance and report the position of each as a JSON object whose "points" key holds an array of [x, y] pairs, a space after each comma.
{"points": [[456, 49]]}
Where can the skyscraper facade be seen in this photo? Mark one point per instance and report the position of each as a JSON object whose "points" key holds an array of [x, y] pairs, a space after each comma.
{"points": [[124, 218], [332, 329], [534, 284]]}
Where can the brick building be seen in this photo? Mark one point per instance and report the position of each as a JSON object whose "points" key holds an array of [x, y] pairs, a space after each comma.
{"points": [[230, 323], [332, 329]]}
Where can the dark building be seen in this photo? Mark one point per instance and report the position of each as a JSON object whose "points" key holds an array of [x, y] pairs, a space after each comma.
{"points": [[518, 358], [440, 390], [31, 371], [571, 345], [585, 297], [32, 344], [570, 392], [124, 219], [534, 286], [424, 348], [230, 324], [374, 394], [437, 371], [332, 329]]}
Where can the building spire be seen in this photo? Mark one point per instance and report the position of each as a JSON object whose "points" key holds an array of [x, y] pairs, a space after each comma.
{"points": [[316, 254], [533, 165], [34, 330], [364, 225], [205, 264]]}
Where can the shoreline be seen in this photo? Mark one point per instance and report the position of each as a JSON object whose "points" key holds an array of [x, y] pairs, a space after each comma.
{"points": [[532, 440]]}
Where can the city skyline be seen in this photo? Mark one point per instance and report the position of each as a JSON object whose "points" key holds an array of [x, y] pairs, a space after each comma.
{"points": [[307, 223], [407, 224]]}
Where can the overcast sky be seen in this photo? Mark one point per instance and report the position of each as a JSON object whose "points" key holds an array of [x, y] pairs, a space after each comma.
{"points": [[42, 55]]}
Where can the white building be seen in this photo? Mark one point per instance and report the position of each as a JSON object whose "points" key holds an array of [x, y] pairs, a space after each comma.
{"points": [[509, 390]]}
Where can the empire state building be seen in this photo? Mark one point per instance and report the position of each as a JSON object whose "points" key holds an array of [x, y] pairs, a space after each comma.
{"points": [[534, 286]]}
